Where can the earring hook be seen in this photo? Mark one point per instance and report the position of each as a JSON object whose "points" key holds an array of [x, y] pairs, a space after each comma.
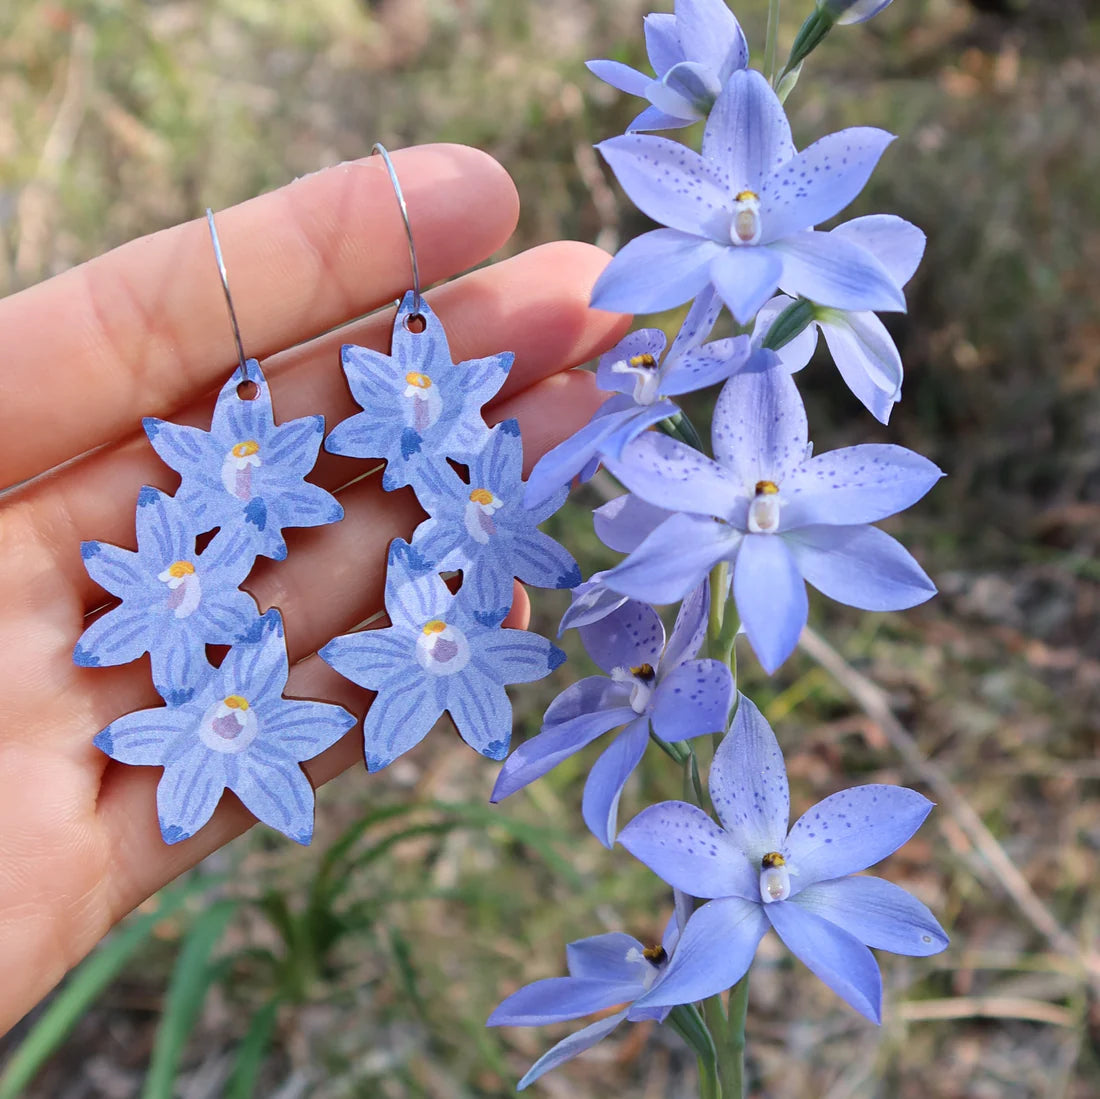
{"points": [[378, 147], [228, 297]]}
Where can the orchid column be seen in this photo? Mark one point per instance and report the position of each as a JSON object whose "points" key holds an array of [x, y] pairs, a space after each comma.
{"points": [[734, 535]]}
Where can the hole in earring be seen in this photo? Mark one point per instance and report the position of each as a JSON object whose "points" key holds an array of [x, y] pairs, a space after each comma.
{"points": [[248, 390], [415, 323]]}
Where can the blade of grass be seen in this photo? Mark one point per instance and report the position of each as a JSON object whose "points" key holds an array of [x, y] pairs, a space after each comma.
{"points": [[252, 1052], [191, 980]]}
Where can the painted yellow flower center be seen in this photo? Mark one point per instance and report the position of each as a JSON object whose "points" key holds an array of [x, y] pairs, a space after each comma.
{"points": [[434, 626], [481, 496], [246, 449], [179, 569], [236, 702], [420, 381]]}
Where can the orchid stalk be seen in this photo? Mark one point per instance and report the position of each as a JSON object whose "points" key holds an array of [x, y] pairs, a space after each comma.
{"points": [[736, 536]]}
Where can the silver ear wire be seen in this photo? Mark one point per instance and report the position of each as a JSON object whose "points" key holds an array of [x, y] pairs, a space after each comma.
{"points": [[380, 148], [228, 297]]}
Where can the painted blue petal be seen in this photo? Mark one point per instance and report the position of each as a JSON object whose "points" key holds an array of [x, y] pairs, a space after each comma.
{"points": [[370, 658], [834, 272], [867, 359], [591, 602], [225, 616], [675, 558], [189, 792], [568, 1048], [603, 957], [276, 792], [662, 42], [236, 418], [556, 999], [709, 33], [748, 784], [164, 529], [632, 635], [624, 523], [838, 958], [397, 720], [713, 954], [860, 566], [692, 699], [820, 181], [179, 665], [489, 585], [292, 446], [305, 729], [544, 563], [119, 636], [712, 363], [856, 484], [851, 830], [178, 446], [304, 505], [110, 567], [878, 913], [600, 804], [689, 630], [672, 475], [759, 431], [746, 277], [771, 598], [896, 243], [619, 76], [658, 270], [481, 712], [544, 751], [685, 848], [516, 656], [644, 341], [748, 132], [142, 737], [258, 668], [413, 597]]}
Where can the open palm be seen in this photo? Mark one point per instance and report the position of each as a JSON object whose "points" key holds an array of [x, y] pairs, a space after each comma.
{"points": [[142, 331]]}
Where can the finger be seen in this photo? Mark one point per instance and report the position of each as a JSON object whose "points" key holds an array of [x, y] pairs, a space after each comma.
{"points": [[535, 303], [143, 329]]}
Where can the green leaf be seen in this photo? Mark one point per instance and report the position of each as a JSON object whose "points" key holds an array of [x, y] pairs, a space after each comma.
{"points": [[251, 1053], [191, 980], [84, 987]]}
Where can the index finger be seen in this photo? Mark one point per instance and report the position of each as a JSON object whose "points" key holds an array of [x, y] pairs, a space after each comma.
{"points": [[143, 328]]}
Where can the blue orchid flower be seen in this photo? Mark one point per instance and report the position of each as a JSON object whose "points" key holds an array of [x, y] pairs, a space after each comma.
{"points": [[442, 652], [644, 381], [740, 215], [605, 971], [779, 516], [235, 732], [693, 53], [757, 875], [247, 471], [648, 685], [175, 601], [852, 11], [420, 407], [862, 349], [483, 528]]}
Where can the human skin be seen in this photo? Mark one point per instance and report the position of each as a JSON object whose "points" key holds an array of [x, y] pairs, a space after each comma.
{"points": [[143, 331]]}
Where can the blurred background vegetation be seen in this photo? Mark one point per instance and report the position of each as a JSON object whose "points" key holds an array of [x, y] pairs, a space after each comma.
{"points": [[367, 965]]}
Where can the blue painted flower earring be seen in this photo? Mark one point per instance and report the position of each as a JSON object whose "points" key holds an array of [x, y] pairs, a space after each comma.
{"points": [[229, 726], [443, 650]]}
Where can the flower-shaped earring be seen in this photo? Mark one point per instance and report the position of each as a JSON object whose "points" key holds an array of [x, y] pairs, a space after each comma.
{"points": [[224, 726]]}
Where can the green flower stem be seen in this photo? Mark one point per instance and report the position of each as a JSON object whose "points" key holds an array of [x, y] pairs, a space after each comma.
{"points": [[676, 752], [731, 1049], [771, 41], [687, 1021], [681, 428]]}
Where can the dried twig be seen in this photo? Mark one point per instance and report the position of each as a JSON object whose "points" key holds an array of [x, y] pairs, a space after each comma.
{"points": [[875, 703]]}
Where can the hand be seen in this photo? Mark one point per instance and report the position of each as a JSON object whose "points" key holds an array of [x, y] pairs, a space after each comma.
{"points": [[143, 331]]}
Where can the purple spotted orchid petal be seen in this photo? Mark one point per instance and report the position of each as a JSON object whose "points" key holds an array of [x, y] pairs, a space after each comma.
{"points": [[896, 243], [570, 1047], [851, 830], [689, 630], [624, 523], [631, 636], [603, 957], [608, 777], [556, 999], [746, 278], [867, 358], [592, 601], [694, 698], [835, 272], [771, 597]]}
